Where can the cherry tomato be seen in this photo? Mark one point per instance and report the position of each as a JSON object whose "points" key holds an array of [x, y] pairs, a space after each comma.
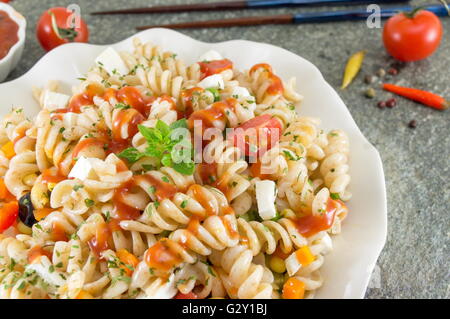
{"points": [[8, 215], [248, 136], [54, 28], [189, 295], [412, 36]]}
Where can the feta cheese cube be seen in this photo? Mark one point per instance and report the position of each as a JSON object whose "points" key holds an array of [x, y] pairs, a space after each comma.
{"points": [[53, 100], [240, 93], [212, 81], [111, 62], [210, 55], [82, 169], [292, 264], [266, 193]]}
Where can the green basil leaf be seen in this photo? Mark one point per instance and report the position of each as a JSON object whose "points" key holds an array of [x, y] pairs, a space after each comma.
{"points": [[131, 154], [166, 160], [150, 134], [163, 128], [184, 168], [180, 123]]}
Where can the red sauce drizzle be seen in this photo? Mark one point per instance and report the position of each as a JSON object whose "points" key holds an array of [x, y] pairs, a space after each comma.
{"points": [[83, 99], [130, 117], [214, 67], [255, 171], [124, 211], [207, 172], [163, 255], [58, 233], [215, 113], [310, 225], [276, 86], [163, 190], [188, 97], [52, 176], [132, 96], [36, 252], [9, 33], [99, 242], [198, 195], [90, 142]]}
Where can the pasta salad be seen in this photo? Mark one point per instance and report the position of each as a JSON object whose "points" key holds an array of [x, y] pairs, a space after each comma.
{"points": [[157, 179]]}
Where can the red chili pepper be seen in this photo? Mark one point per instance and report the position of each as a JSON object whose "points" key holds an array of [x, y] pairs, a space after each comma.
{"points": [[426, 98]]}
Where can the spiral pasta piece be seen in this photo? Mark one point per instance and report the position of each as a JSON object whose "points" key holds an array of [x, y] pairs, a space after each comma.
{"points": [[240, 276], [223, 167], [171, 213], [334, 167]]}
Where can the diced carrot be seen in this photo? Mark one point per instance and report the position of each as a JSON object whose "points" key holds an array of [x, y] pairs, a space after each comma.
{"points": [[304, 256], [84, 295], [41, 213], [5, 195], [293, 289], [8, 150], [129, 260]]}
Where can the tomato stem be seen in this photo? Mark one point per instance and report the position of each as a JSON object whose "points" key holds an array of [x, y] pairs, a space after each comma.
{"points": [[63, 33], [413, 12]]}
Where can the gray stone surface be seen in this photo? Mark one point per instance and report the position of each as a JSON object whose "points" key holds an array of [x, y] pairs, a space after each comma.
{"points": [[414, 262]]}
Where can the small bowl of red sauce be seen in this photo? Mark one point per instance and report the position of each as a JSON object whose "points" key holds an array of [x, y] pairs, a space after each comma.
{"points": [[12, 39]]}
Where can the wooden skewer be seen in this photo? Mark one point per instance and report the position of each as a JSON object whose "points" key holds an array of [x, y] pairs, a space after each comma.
{"points": [[239, 4], [223, 5], [245, 21], [307, 17]]}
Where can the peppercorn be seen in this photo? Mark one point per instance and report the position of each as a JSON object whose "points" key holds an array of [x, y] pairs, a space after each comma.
{"points": [[370, 93], [369, 79], [391, 103], [412, 124], [381, 72], [393, 71], [381, 104]]}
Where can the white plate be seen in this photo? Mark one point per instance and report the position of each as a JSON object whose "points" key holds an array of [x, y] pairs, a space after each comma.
{"points": [[348, 267]]}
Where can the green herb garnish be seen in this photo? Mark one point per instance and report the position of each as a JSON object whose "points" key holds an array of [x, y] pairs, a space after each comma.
{"points": [[171, 145]]}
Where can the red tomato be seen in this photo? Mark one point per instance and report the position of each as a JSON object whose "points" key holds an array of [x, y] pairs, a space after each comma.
{"points": [[8, 215], [248, 136], [54, 28], [190, 295], [412, 37]]}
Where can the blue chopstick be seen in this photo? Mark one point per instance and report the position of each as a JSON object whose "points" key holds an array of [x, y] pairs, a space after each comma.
{"points": [[349, 15], [288, 3]]}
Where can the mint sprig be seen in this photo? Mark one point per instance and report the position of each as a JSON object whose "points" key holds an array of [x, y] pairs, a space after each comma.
{"points": [[170, 144]]}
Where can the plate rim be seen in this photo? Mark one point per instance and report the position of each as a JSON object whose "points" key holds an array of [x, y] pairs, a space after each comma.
{"points": [[379, 245]]}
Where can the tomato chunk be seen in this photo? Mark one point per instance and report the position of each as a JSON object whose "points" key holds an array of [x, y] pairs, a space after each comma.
{"points": [[8, 215], [189, 295], [214, 67], [258, 135]]}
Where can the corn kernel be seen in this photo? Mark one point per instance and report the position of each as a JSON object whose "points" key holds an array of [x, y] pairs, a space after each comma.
{"points": [[277, 264], [50, 186], [29, 179], [23, 229]]}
